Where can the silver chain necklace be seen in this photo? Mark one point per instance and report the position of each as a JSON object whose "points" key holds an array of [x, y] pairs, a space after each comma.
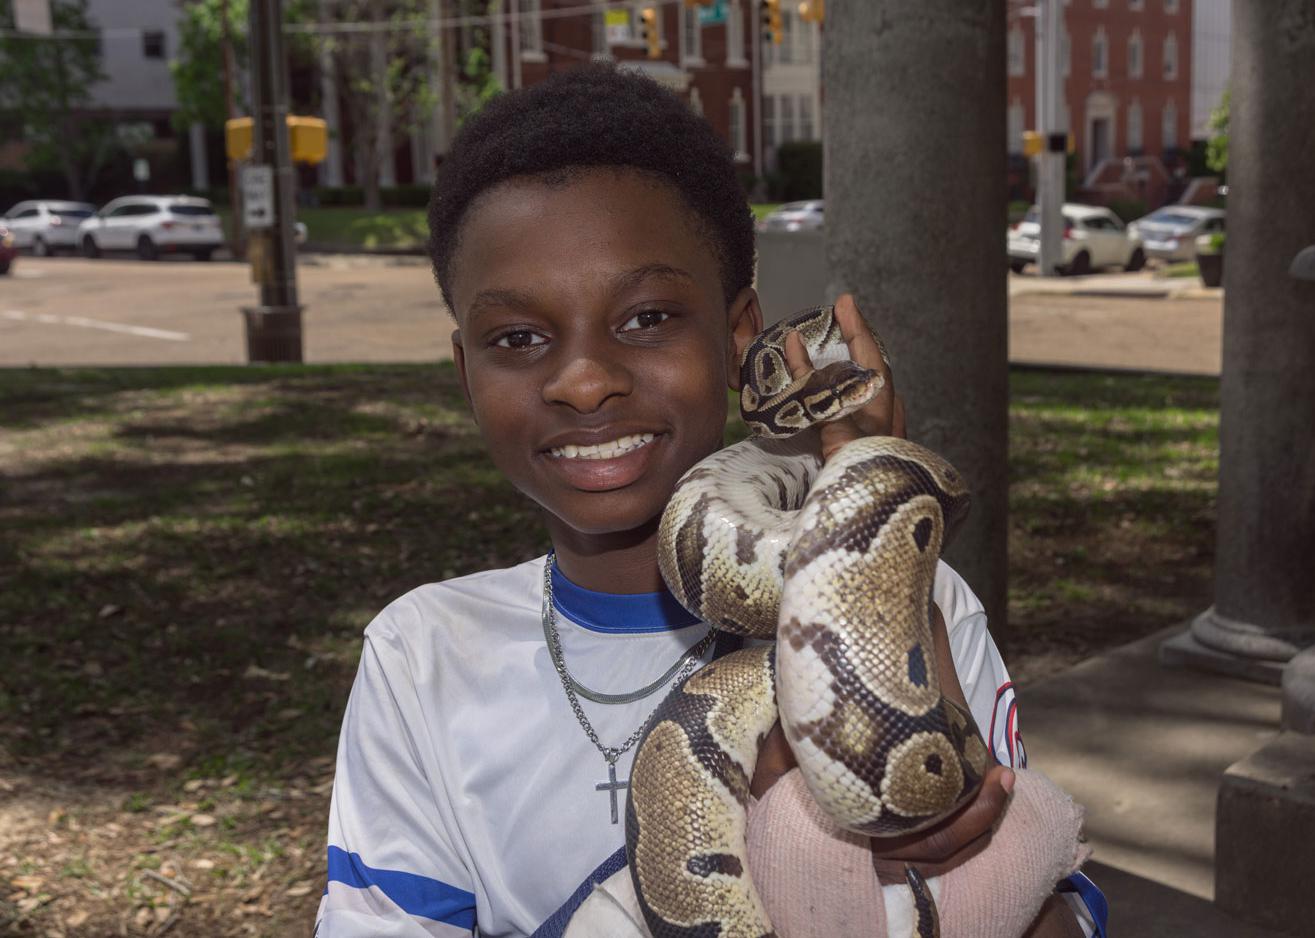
{"points": [[683, 667]]}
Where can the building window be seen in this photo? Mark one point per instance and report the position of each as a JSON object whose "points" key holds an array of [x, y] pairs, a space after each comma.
{"points": [[786, 105], [1134, 127], [153, 44], [1136, 5], [769, 121], [531, 26], [1016, 118], [1100, 4], [691, 36], [695, 100], [1017, 51], [1100, 59], [1170, 56], [1135, 54], [1169, 127], [806, 118], [1170, 6], [738, 141], [735, 35]]}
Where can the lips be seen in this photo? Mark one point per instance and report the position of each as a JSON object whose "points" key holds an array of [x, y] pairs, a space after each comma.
{"points": [[595, 462]]}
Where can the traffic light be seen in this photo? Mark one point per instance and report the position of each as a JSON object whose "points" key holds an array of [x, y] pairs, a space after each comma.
{"points": [[649, 17], [771, 13], [812, 11]]}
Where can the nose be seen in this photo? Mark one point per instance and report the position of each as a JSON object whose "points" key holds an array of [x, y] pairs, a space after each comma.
{"points": [[587, 376]]}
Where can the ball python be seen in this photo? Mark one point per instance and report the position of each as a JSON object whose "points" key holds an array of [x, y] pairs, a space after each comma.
{"points": [[834, 563]]}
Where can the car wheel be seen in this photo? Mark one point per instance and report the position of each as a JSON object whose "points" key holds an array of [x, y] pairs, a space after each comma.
{"points": [[146, 249], [1017, 266], [1081, 265], [89, 247], [1137, 261], [40, 248], [204, 254]]}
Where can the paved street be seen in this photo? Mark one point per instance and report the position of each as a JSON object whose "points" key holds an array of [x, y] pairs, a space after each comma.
{"points": [[70, 311]]}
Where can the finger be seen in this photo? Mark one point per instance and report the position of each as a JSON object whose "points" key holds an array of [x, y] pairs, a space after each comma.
{"points": [[943, 843], [796, 355], [864, 346]]}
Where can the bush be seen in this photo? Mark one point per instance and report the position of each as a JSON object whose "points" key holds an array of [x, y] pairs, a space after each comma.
{"points": [[408, 196], [1128, 209], [18, 186], [798, 171]]}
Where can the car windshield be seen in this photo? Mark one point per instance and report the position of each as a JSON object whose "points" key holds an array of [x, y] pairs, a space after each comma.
{"points": [[73, 212], [1173, 218], [178, 209], [800, 207]]}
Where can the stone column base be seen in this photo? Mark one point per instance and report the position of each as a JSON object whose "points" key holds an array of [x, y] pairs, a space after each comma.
{"points": [[1245, 639], [1265, 835]]}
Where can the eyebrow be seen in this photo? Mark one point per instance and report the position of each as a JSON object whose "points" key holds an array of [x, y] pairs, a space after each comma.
{"points": [[493, 298]]}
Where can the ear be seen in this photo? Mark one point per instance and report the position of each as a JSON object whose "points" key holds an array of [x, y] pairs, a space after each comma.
{"points": [[744, 318], [459, 358]]}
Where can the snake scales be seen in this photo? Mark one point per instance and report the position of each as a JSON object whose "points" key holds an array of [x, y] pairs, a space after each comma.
{"points": [[836, 564]]}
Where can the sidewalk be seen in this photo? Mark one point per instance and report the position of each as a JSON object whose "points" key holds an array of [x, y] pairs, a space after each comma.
{"points": [[1143, 284], [1143, 748]]}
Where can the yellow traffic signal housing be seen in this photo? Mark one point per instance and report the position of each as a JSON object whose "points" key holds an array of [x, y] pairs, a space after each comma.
{"points": [[1033, 142], [812, 11], [771, 14], [308, 138], [649, 17]]}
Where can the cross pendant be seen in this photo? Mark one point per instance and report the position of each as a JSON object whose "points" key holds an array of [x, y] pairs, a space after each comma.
{"points": [[612, 786]]}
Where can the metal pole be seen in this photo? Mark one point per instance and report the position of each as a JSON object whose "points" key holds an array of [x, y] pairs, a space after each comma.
{"points": [[230, 111], [273, 327], [1050, 122]]}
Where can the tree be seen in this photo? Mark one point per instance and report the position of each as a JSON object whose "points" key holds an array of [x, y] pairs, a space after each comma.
{"points": [[198, 71], [1216, 149], [379, 77], [47, 89]]}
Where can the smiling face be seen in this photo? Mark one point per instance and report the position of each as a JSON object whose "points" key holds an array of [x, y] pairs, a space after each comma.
{"points": [[594, 345]]}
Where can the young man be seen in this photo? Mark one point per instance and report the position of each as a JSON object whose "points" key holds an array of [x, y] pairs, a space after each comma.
{"points": [[592, 241]]}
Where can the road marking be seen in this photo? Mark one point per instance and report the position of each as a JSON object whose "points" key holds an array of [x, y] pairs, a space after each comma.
{"points": [[24, 274], [144, 331]]}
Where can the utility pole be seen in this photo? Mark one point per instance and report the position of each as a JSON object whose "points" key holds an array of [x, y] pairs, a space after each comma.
{"points": [[230, 112], [1054, 134], [273, 327]]}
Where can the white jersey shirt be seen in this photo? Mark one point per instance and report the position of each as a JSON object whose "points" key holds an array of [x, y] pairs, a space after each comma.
{"points": [[467, 793]]}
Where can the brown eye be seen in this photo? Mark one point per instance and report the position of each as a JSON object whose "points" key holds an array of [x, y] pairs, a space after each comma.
{"points": [[645, 320], [521, 338]]}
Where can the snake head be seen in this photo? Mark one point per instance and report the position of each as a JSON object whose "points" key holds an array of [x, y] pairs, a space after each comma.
{"points": [[838, 389]]}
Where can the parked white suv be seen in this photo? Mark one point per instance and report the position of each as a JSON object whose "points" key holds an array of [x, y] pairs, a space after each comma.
{"points": [[1093, 237], [44, 226], [152, 224]]}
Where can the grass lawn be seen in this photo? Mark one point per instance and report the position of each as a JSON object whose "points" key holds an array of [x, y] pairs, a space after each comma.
{"points": [[190, 555], [1181, 269]]}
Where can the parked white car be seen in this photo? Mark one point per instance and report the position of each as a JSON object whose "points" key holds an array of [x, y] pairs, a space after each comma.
{"points": [[151, 225], [44, 226], [1170, 233], [1093, 237], [794, 216]]}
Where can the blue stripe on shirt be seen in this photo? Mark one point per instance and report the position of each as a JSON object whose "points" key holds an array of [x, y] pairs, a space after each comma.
{"points": [[1092, 898], [411, 892]]}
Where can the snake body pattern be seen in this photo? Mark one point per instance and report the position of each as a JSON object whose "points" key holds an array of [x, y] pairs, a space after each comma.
{"points": [[834, 563]]}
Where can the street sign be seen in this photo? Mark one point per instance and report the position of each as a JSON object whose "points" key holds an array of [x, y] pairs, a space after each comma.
{"points": [[141, 170], [33, 16], [715, 13], [258, 196], [618, 25]]}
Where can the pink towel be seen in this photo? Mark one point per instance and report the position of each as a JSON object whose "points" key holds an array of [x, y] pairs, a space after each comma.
{"points": [[817, 880]]}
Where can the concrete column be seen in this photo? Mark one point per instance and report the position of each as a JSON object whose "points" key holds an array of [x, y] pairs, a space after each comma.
{"points": [[914, 114], [200, 159], [331, 170], [1265, 542]]}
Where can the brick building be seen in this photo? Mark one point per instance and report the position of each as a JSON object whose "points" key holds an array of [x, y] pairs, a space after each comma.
{"points": [[1127, 76]]}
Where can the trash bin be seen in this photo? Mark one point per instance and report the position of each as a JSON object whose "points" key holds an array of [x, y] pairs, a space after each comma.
{"points": [[273, 333]]}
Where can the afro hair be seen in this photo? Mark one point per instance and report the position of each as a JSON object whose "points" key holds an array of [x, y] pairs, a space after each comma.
{"points": [[596, 115]]}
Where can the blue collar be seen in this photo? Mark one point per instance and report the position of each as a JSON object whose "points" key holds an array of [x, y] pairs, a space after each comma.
{"points": [[618, 613]]}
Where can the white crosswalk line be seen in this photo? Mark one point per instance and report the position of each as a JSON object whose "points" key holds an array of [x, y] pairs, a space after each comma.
{"points": [[82, 321]]}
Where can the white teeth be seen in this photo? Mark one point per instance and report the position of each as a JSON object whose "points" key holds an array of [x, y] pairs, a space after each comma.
{"points": [[609, 450]]}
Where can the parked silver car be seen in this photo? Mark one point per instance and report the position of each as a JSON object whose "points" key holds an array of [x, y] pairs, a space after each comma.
{"points": [[1170, 233], [793, 216], [44, 226]]}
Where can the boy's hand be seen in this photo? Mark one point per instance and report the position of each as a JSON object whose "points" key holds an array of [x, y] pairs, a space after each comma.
{"points": [[881, 416]]}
